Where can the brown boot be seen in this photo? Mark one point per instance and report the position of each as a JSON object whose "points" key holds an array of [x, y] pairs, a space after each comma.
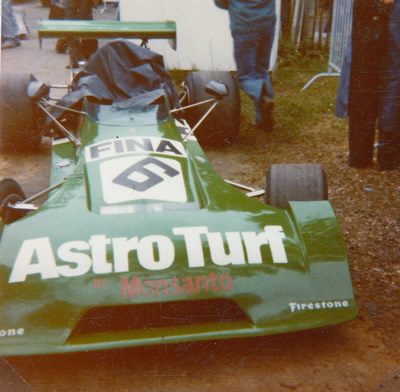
{"points": [[266, 107]]}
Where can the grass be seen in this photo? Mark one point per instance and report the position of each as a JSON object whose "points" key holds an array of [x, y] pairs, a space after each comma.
{"points": [[304, 120], [294, 110]]}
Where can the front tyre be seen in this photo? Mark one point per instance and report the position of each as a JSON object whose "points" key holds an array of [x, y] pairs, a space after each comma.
{"points": [[10, 193], [222, 125], [295, 182]]}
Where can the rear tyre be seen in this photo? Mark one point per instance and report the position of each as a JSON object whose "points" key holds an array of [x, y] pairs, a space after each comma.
{"points": [[223, 123], [19, 130], [10, 192], [293, 182]]}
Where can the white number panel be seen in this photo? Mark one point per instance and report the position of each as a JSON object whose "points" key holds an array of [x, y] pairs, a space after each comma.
{"points": [[134, 178]]}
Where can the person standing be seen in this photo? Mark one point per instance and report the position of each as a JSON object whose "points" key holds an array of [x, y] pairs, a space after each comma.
{"points": [[84, 48], [252, 24]]}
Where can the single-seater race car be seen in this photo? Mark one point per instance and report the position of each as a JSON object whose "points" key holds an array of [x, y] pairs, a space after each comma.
{"points": [[139, 241]]}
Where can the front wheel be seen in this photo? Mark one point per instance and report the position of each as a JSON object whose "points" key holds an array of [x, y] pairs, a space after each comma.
{"points": [[222, 125], [10, 193], [295, 182]]}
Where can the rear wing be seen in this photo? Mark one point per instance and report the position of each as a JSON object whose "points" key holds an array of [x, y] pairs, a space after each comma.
{"points": [[108, 29]]}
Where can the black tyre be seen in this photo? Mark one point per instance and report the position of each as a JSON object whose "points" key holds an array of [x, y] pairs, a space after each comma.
{"points": [[292, 182], [10, 192], [19, 130], [223, 123]]}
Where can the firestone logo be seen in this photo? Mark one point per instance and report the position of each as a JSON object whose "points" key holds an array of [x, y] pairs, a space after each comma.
{"points": [[154, 252], [4, 333]]}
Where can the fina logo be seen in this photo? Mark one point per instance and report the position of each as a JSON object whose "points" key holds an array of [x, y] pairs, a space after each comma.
{"points": [[132, 145]]}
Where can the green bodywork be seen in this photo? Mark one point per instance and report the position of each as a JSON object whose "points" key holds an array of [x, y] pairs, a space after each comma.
{"points": [[143, 225]]}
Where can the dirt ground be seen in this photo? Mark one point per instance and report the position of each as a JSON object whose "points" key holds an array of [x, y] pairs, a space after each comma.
{"points": [[359, 356]]}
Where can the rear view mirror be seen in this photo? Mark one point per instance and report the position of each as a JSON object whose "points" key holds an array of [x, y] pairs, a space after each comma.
{"points": [[37, 90], [217, 89]]}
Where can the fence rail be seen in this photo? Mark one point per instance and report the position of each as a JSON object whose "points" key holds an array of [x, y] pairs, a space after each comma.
{"points": [[340, 34]]}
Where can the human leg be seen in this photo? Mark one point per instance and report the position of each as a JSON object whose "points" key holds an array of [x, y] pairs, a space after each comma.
{"points": [[264, 42], [363, 113], [361, 141], [389, 121], [264, 105], [368, 53], [342, 96], [9, 27], [80, 49], [71, 13], [252, 83], [87, 46], [388, 156]]}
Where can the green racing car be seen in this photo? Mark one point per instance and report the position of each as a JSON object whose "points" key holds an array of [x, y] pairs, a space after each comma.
{"points": [[139, 241]]}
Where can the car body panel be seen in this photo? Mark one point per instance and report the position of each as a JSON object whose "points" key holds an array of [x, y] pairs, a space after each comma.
{"points": [[141, 242], [195, 255]]}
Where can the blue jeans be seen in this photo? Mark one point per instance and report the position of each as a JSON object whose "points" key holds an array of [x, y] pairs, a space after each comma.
{"points": [[9, 27], [252, 53], [342, 97]]}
